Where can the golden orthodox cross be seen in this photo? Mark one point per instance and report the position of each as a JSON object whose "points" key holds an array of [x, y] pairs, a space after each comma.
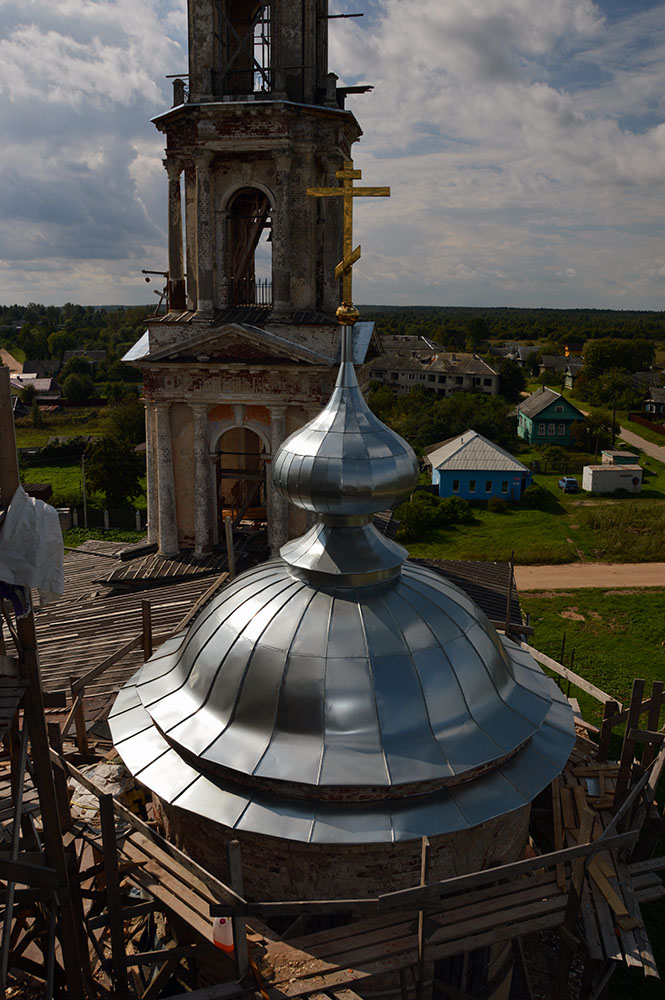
{"points": [[347, 175]]}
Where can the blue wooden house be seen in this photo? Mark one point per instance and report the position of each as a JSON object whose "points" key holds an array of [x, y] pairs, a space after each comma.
{"points": [[474, 468], [546, 417]]}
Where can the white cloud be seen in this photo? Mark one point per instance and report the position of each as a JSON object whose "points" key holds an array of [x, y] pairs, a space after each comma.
{"points": [[523, 139], [530, 125]]}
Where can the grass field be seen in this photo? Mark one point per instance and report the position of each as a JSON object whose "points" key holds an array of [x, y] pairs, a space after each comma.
{"points": [[616, 635], [572, 527], [71, 423]]}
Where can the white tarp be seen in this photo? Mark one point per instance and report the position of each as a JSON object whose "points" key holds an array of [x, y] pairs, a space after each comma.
{"points": [[31, 548]]}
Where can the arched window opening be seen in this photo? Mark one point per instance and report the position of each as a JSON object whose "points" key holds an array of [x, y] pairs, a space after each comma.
{"points": [[249, 241], [241, 476], [245, 36]]}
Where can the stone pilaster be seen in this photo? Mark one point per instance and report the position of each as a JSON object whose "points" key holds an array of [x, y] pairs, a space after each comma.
{"points": [[176, 281], [205, 234], [202, 500], [278, 508], [190, 232], [151, 472], [168, 525], [281, 240]]}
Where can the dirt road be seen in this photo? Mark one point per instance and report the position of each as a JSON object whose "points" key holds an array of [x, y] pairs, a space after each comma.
{"points": [[655, 450], [574, 575]]}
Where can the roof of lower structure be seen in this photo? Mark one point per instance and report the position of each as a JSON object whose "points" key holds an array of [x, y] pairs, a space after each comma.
{"points": [[472, 451], [541, 399], [317, 343]]}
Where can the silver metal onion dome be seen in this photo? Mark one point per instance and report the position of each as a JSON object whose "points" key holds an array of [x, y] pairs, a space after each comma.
{"points": [[341, 694], [345, 465], [345, 462]]}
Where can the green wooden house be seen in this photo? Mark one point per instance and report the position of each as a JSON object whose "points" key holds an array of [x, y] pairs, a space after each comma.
{"points": [[546, 417]]}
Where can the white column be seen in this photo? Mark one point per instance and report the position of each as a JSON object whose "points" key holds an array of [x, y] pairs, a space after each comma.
{"points": [[176, 279], [151, 471], [205, 233], [168, 526], [278, 508], [202, 506]]}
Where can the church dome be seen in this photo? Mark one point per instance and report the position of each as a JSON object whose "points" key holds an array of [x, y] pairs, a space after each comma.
{"points": [[345, 461], [341, 693]]}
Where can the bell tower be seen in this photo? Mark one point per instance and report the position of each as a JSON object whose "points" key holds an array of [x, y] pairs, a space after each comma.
{"points": [[257, 122], [248, 348]]}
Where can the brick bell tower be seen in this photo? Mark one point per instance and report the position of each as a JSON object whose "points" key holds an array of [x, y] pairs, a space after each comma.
{"points": [[247, 350], [259, 121]]}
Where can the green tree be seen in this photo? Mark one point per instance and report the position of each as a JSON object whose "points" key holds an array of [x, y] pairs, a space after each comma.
{"points": [[614, 353], [513, 379], [76, 366], [114, 469], [125, 421], [27, 395], [36, 415], [59, 342], [77, 388]]}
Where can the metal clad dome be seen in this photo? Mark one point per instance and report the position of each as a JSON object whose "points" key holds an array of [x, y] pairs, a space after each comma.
{"points": [[345, 461], [342, 694]]}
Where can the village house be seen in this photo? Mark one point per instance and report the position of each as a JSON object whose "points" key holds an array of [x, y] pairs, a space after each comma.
{"points": [[474, 468], [546, 417], [444, 373]]}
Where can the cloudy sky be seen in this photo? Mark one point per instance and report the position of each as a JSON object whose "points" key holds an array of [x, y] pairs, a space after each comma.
{"points": [[524, 141]]}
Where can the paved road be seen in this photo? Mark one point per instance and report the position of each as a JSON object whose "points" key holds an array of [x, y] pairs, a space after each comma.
{"points": [[571, 576], [654, 450]]}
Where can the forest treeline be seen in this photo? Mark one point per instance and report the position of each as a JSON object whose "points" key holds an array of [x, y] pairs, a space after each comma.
{"points": [[462, 326], [43, 332]]}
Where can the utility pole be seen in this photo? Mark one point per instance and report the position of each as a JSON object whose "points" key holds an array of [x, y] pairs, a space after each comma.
{"points": [[85, 504], [614, 413]]}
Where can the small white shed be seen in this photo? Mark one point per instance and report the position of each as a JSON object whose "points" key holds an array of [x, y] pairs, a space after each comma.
{"points": [[610, 478]]}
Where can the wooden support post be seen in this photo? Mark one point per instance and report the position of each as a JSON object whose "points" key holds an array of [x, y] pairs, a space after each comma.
{"points": [[79, 716], [61, 793], [653, 721], [230, 554], [234, 858], [147, 629], [509, 595], [424, 877], [33, 714], [611, 708], [628, 749], [567, 930], [558, 829], [113, 901]]}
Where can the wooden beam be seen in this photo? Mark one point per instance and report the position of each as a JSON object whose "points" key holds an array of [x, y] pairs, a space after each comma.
{"points": [[562, 671], [427, 896], [425, 856], [240, 949], [203, 599], [33, 713], [91, 675], [233, 902], [113, 901], [147, 629]]}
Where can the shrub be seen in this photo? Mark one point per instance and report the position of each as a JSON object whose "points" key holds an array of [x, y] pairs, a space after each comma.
{"points": [[78, 388], [496, 505], [426, 511], [456, 510], [534, 497]]}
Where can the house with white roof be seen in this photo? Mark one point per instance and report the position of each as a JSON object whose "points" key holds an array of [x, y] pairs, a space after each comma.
{"points": [[472, 467]]}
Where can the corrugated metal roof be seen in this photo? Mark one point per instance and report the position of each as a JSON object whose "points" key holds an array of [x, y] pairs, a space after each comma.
{"points": [[538, 401], [473, 451]]}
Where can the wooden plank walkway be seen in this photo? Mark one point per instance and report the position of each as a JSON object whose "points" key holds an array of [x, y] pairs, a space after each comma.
{"points": [[91, 621]]}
